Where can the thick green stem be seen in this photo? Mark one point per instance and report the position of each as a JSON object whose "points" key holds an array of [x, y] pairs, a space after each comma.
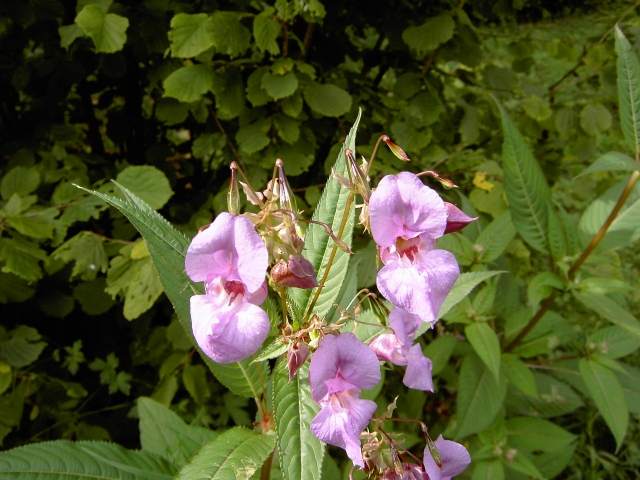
{"points": [[593, 244]]}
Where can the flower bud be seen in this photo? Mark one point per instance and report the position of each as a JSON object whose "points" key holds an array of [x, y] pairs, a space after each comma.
{"points": [[456, 218], [395, 149], [295, 272], [359, 180], [233, 195], [296, 356]]}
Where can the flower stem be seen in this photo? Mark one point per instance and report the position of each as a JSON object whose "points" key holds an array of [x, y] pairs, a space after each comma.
{"points": [[593, 244]]}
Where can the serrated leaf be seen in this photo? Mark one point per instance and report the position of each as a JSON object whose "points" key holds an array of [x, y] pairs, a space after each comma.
{"points": [[266, 30], [148, 183], [610, 310], [628, 67], [22, 258], [164, 433], [271, 350], [495, 238], [480, 397], [189, 83], [486, 344], [20, 180], [107, 30], [299, 451], [557, 236], [64, 460], [237, 454], [317, 243], [611, 162], [190, 34], [22, 347], [229, 35], [86, 251], [607, 394], [167, 247], [526, 188], [537, 435], [327, 99]]}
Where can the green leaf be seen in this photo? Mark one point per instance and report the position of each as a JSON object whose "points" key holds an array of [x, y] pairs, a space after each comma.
{"points": [[35, 223], [236, 454], [491, 470], [271, 350], [317, 243], [167, 247], [537, 435], [287, 127], [595, 118], [610, 310], [486, 344], [611, 162], [86, 251], [431, 34], [22, 258], [519, 375], [20, 180], [554, 398], [22, 347], [68, 34], [190, 34], [480, 397], [189, 83], [462, 288], [299, 451], [614, 342], [194, 378], [439, 351], [279, 86], [229, 35], [148, 183], [496, 237], [526, 188], [628, 68], [557, 235], [541, 286], [607, 394], [107, 30], [137, 281], [266, 30], [164, 433], [253, 137], [327, 99], [64, 460]]}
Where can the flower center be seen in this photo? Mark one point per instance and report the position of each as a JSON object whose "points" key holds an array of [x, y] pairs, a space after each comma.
{"points": [[408, 247], [234, 288]]}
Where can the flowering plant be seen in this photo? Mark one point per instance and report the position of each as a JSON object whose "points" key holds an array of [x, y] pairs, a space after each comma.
{"points": [[244, 258]]}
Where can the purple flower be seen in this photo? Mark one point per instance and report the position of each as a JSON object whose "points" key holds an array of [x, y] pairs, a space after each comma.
{"points": [[452, 459], [409, 471], [232, 260], [398, 348], [340, 368], [295, 272], [456, 218], [406, 218]]}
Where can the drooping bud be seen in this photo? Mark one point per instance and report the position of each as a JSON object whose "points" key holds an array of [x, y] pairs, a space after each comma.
{"points": [[456, 218], [294, 272], [233, 195], [396, 149], [445, 182], [296, 356], [286, 197]]}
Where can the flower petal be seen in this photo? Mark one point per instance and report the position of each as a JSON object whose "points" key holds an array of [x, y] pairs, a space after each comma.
{"points": [[344, 354], [455, 457], [403, 206], [456, 218], [404, 286], [440, 270], [418, 372], [228, 333], [404, 325], [388, 349], [251, 251], [210, 253]]}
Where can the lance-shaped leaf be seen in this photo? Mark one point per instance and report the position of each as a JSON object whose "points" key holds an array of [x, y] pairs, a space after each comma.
{"points": [[526, 188], [167, 247], [628, 91], [318, 244], [299, 451]]}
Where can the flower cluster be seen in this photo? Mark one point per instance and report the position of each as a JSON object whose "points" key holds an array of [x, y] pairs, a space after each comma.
{"points": [[238, 256]]}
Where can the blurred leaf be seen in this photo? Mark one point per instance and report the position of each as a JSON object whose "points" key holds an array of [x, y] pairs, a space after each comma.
{"points": [[229, 35], [107, 30], [607, 393], [628, 68], [486, 344], [20, 180], [614, 342], [610, 310], [439, 351], [189, 83], [595, 118], [266, 30], [554, 398], [462, 288], [526, 187], [22, 258], [148, 183], [537, 435], [22, 347], [238, 453], [433, 32], [279, 86], [86, 251], [495, 237], [327, 99], [519, 375], [194, 378], [611, 162], [491, 470], [190, 34]]}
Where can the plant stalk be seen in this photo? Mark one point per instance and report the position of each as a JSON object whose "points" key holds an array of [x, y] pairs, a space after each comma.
{"points": [[593, 244]]}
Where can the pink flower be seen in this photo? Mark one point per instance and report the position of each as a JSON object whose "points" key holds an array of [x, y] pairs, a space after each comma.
{"points": [[452, 459], [340, 368], [232, 260], [456, 218], [406, 219], [295, 272], [409, 471], [398, 348]]}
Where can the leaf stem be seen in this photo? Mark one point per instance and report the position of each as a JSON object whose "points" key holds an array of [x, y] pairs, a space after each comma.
{"points": [[593, 244], [265, 472]]}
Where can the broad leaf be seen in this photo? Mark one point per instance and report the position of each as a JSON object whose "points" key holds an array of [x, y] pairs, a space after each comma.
{"points": [[607, 394], [190, 35], [495, 238], [519, 375], [107, 30], [480, 397], [236, 454], [462, 288], [526, 188], [628, 68], [148, 183], [328, 100], [611, 162], [537, 435], [610, 310], [486, 344], [299, 451], [167, 247], [164, 433], [317, 243], [189, 83], [63, 460]]}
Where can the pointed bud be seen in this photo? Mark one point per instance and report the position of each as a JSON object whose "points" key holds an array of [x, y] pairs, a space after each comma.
{"points": [[296, 272], [233, 196], [456, 218], [285, 195], [396, 149], [296, 356], [359, 180], [445, 182]]}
